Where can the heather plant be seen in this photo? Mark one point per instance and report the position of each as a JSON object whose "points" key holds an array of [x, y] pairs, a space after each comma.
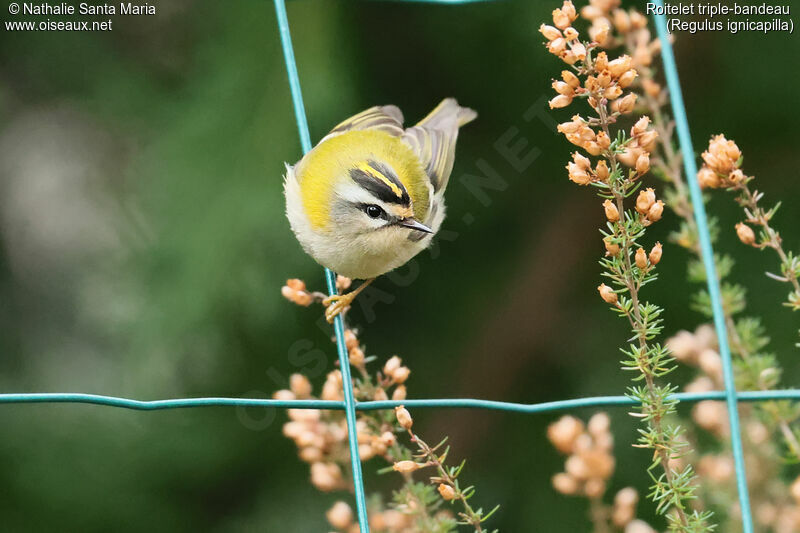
{"points": [[623, 159], [775, 502], [431, 497]]}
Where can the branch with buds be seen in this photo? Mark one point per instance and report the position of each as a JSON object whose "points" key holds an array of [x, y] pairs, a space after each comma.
{"points": [[321, 439], [589, 466], [624, 159], [722, 169]]}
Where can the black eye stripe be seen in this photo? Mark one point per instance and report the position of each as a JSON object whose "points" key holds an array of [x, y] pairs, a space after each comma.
{"points": [[378, 187]]}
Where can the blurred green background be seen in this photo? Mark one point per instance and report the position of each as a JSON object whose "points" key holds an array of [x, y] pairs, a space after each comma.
{"points": [[143, 245]]}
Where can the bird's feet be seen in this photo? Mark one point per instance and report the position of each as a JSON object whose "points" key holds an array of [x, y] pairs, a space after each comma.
{"points": [[338, 303]]}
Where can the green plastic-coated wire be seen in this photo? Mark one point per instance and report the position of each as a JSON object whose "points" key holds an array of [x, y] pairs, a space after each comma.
{"points": [[689, 165], [330, 277], [458, 403]]}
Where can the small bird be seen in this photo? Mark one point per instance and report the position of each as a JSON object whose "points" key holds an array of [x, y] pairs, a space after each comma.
{"points": [[370, 195]]}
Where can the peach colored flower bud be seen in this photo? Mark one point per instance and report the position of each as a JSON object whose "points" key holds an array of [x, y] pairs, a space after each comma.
{"points": [[640, 126], [745, 233], [711, 416], [603, 140], [591, 12], [627, 103], [655, 211], [645, 199], [627, 497], [620, 65], [570, 34], [599, 424], [296, 297], [550, 33], [577, 174], [579, 50], [296, 284], [556, 46], [350, 339], [757, 432], [641, 258], [283, 395], [655, 254], [401, 374], [601, 170], [577, 467], [612, 213], [343, 282], [403, 417], [638, 21], [569, 127], [629, 155], [447, 492], [737, 176], [569, 57], [562, 87], [560, 101], [708, 179], [594, 488], [573, 82], [565, 484], [683, 346], [569, 9], [391, 365], [620, 516], [326, 476], [647, 140], [380, 395], [560, 19], [627, 78], [340, 515], [622, 21], [612, 93], [612, 249], [601, 62], [607, 294], [406, 466], [563, 433], [604, 79], [651, 88], [399, 393], [310, 454], [300, 385], [599, 32], [583, 162], [639, 526], [592, 148], [357, 356], [643, 163], [710, 362]]}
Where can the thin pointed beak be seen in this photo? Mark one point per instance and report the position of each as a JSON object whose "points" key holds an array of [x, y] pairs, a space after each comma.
{"points": [[413, 223]]}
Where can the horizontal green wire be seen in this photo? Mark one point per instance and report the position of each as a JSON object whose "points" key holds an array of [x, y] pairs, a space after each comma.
{"points": [[468, 403]]}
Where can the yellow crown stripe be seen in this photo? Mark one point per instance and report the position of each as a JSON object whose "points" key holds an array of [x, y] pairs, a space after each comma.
{"points": [[377, 174]]}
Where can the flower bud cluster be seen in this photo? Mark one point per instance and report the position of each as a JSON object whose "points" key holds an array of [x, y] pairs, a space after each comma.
{"points": [[295, 291], [721, 164], [590, 463]]}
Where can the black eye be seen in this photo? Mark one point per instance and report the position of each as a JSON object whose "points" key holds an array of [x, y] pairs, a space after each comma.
{"points": [[373, 211]]}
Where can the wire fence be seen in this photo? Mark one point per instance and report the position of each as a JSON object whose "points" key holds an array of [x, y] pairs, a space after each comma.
{"points": [[730, 395]]}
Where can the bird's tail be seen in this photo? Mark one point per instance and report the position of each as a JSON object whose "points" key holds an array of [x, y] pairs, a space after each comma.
{"points": [[442, 116]]}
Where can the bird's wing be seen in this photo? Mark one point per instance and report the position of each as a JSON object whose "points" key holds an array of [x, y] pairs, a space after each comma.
{"points": [[387, 118], [433, 139]]}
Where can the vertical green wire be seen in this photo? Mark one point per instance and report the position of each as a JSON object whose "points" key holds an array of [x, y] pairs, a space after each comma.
{"points": [[685, 140], [330, 277]]}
